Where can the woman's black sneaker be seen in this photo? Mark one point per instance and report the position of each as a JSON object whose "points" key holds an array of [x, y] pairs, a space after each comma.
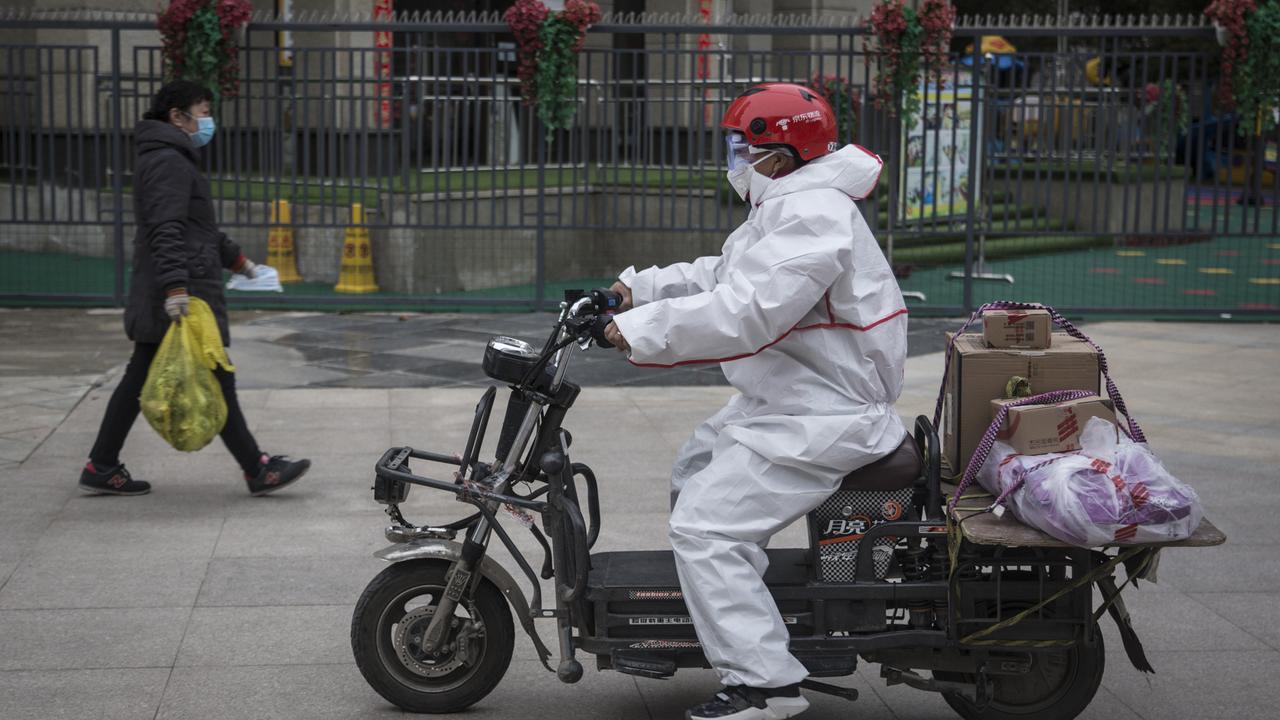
{"points": [[111, 481], [275, 473]]}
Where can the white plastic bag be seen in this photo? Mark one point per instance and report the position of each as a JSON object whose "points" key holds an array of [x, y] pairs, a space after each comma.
{"points": [[265, 279], [1113, 491]]}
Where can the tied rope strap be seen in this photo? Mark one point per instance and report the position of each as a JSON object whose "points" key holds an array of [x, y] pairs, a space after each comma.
{"points": [[1113, 392], [988, 441]]}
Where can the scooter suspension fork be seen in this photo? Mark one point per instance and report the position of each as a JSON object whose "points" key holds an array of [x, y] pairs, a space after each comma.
{"points": [[460, 576], [462, 572]]}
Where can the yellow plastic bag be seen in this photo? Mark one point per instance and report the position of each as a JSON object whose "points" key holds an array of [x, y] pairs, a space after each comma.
{"points": [[182, 398]]}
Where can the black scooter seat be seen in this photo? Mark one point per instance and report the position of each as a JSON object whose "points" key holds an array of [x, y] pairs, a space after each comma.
{"points": [[657, 569], [895, 471]]}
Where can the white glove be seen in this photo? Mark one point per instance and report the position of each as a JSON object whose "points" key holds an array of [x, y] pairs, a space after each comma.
{"points": [[176, 304], [249, 269]]}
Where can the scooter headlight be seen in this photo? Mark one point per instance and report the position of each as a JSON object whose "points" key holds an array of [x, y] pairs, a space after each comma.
{"points": [[509, 359]]}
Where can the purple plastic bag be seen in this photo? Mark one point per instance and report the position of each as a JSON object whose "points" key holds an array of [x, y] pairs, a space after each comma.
{"points": [[1113, 491]]}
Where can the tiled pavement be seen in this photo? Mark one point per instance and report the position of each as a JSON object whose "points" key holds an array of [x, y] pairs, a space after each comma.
{"points": [[400, 351], [51, 357], [198, 601]]}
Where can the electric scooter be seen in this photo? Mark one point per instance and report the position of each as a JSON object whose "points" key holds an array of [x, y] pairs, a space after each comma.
{"points": [[1001, 629]]}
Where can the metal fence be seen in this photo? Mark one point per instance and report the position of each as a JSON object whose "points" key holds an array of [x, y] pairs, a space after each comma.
{"points": [[1088, 168]]}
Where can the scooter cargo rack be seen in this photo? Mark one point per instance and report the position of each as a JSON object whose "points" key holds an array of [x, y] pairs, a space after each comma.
{"points": [[988, 529], [995, 583]]}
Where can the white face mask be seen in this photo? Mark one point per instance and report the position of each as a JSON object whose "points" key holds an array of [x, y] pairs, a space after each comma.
{"points": [[744, 178], [759, 184]]}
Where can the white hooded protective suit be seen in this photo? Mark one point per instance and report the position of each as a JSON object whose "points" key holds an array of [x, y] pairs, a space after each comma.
{"points": [[806, 319]]}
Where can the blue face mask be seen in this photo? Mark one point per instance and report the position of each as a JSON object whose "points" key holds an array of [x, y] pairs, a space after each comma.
{"points": [[204, 134]]}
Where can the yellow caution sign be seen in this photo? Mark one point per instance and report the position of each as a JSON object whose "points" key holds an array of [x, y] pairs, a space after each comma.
{"points": [[357, 256], [280, 243]]}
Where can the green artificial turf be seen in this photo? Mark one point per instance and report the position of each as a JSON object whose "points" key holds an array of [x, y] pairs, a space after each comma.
{"points": [[46, 273], [1125, 278]]}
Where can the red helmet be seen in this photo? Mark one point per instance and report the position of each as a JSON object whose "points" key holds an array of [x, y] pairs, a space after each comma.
{"points": [[784, 114]]}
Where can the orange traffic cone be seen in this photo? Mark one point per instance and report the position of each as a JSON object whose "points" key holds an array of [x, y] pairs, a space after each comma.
{"points": [[357, 257], [280, 243]]}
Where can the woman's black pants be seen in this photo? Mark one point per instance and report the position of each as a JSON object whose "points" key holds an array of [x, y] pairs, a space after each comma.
{"points": [[123, 409]]}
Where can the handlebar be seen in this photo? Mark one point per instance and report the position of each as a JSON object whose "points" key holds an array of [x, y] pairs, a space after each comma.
{"points": [[590, 313], [606, 301], [597, 330]]}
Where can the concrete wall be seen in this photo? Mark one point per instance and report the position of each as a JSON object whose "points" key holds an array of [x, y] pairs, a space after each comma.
{"points": [[1117, 208], [454, 259], [419, 260]]}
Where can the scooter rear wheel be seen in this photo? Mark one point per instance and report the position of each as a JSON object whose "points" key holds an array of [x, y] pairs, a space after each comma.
{"points": [[1060, 686], [390, 619]]}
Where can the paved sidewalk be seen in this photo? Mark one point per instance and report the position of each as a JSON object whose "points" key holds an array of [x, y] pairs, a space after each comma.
{"points": [[198, 601]]}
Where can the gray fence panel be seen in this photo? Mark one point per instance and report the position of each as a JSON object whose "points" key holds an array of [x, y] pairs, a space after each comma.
{"points": [[1062, 175]]}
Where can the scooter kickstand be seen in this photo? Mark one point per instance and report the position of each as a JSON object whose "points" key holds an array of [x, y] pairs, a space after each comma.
{"points": [[849, 694]]}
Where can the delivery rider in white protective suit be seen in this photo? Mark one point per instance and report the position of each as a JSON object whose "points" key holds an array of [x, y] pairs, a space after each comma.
{"points": [[803, 314]]}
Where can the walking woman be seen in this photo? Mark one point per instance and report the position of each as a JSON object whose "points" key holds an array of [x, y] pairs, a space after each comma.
{"points": [[178, 253]]}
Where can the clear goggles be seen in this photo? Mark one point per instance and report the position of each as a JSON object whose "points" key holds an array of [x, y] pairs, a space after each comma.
{"points": [[739, 154]]}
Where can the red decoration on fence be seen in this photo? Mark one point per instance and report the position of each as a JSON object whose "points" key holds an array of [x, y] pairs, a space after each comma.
{"points": [[1230, 15], [384, 41], [903, 40], [704, 39], [548, 46], [176, 31], [525, 18]]}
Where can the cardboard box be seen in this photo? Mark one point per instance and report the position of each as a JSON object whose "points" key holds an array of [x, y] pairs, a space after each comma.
{"points": [[1029, 329], [978, 375], [1040, 429]]}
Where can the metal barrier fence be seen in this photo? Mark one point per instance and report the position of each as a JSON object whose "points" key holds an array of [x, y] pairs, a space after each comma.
{"points": [[1094, 175]]}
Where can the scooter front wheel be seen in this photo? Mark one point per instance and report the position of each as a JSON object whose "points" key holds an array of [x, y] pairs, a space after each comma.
{"points": [[390, 620]]}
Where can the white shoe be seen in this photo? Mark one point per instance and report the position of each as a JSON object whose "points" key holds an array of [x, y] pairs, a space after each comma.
{"points": [[745, 703]]}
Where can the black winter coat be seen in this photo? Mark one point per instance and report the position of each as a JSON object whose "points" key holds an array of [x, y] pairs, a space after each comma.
{"points": [[178, 243]]}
